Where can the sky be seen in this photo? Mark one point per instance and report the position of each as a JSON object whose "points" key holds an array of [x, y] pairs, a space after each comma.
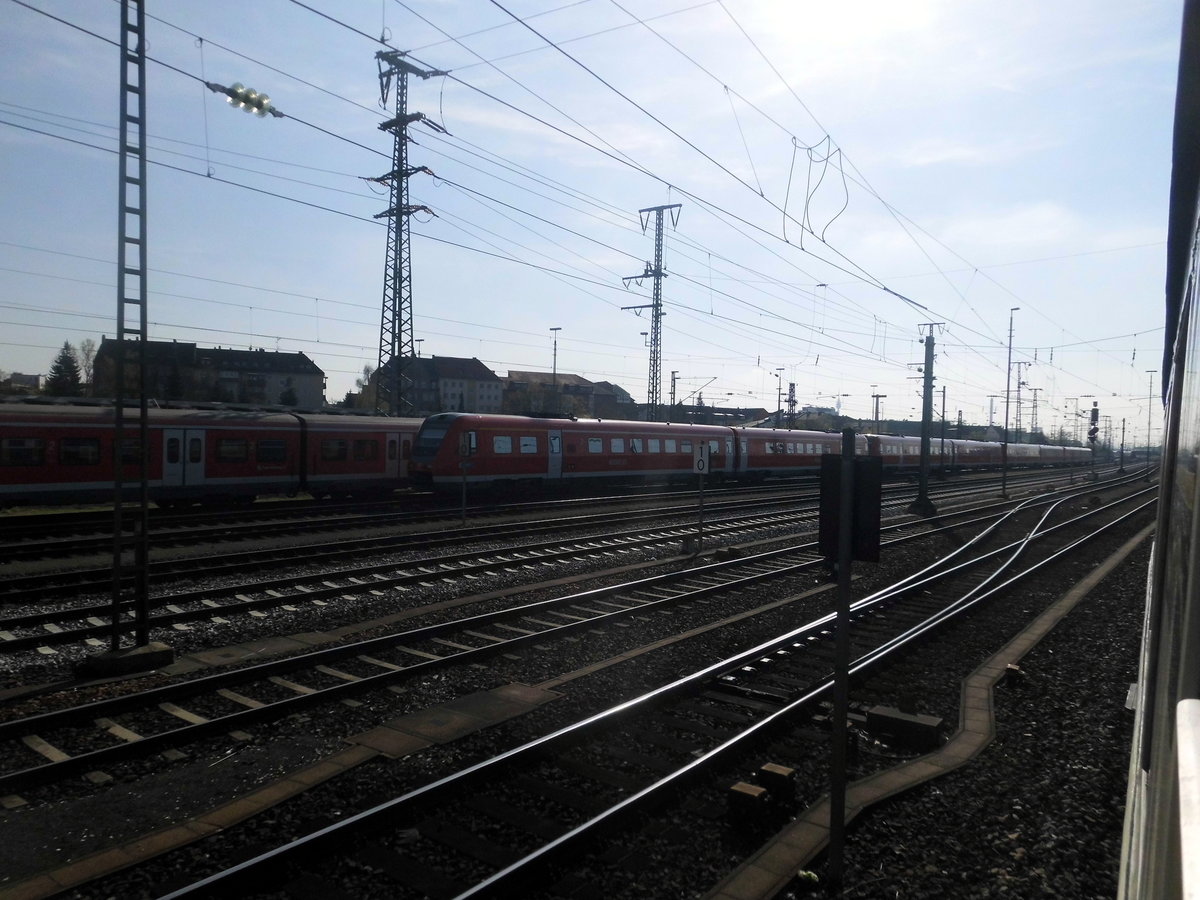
{"points": [[851, 177]]}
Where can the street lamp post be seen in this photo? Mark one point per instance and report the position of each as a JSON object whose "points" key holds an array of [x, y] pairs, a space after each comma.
{"points": [[554, 365], [779, 394], [1007, 390]]}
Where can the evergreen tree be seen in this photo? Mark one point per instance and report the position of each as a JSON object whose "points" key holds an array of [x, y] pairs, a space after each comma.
{"points": [[64, 379]]}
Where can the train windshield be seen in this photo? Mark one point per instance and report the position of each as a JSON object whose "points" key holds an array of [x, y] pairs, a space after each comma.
{"points": [[429, 438]]}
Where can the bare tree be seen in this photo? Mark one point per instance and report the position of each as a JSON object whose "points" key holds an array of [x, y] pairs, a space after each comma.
{"points": [[86, 355]]}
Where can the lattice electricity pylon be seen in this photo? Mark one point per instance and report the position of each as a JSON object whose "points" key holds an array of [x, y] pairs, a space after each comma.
{"points": [[130, 552], [396, 317], [654, 388]]}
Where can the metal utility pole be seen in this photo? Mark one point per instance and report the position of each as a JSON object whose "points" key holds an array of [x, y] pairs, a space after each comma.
{"points": [[1020, 384], [130, 574], [1033, 417], [671, 409], [791, 403], [396, 323], [877, 398], [1149, 418], [654, 388], [1007, 388], [942, 450], [923, 506]]}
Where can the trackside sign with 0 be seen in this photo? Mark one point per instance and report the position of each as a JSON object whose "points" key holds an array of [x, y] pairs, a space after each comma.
{"points": [[700, 458]]}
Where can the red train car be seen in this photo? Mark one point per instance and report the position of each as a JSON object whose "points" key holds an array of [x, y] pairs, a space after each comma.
{"points": [[57, 454], [491, 449]]}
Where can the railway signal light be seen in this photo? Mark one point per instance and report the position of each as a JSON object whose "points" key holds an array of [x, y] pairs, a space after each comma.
{"points": [[1095, 412], [1092, 432]]}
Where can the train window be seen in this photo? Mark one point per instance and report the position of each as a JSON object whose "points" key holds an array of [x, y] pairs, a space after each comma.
{"points": [[617, 445], [595, 445], [22, 452], [501, 443], [79, 451], [173, 451], [669, 445], [335, 450], [714, 447], [195, 450], [273, 451], [528, 444], [366, 450], [653, 445], [131, 451], [769, 447], [791, 447], [635, 445], [685, 446], [232, 450], [556, 444]]}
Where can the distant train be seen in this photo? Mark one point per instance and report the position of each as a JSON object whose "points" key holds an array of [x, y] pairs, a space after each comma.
{"points": [[493, 450], [64, 454]]}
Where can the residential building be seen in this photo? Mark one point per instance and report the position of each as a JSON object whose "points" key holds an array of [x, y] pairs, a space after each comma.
{"points": [[182, 371]]}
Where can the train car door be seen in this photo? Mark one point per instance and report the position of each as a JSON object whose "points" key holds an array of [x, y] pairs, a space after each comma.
{"points": [[394, 464], [183, 457], [554, 454]]}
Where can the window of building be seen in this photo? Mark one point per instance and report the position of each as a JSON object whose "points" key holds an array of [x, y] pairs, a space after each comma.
{"points": [[335, 450], [501, 443], [528, 444], [79, 451], [22, 452], [232, 450]]}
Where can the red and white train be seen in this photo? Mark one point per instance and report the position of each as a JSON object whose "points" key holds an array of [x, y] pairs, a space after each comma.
{"points": [[57, 454], [495, 449]]}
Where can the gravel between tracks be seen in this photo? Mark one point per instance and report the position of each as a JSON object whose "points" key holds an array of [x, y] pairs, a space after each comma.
{"points": [[954, 841]]}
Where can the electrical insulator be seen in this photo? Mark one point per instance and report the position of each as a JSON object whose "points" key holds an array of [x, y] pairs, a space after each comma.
{"points": [[248, 99]]}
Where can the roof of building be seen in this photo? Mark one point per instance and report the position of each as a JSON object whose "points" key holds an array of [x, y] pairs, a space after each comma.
{"points": [[187, 354], [562, 378], [438, 368]]}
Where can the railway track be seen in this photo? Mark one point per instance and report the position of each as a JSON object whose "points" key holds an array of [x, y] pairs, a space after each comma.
{"points": [[87, 738], [61, 536], [526, 818], [44, 627]]}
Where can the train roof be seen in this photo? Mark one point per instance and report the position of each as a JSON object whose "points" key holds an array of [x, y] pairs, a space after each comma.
{"points": [[99, 413]]}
